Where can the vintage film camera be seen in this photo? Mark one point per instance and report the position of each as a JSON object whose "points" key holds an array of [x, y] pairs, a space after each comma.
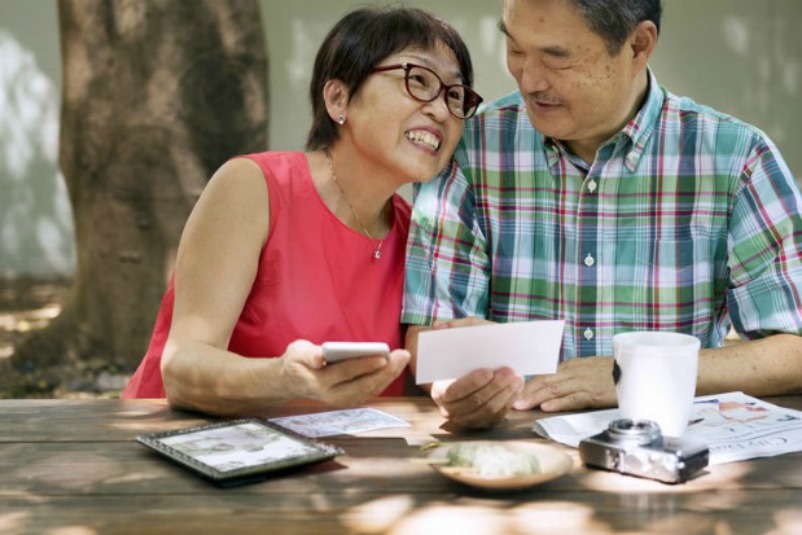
{"points": [[638, 448]]}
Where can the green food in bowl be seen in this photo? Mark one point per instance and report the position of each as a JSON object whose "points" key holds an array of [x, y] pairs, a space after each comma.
{"points": [[493, 460]]}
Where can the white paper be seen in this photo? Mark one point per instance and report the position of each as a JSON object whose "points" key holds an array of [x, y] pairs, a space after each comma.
{"points": [[342, 422], [529, 348], [735, 427]]}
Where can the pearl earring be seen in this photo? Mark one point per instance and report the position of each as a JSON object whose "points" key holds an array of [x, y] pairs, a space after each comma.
{"points": [[341, 119]]}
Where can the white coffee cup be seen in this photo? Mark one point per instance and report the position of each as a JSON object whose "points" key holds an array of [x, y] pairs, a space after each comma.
{"points": [[655, 374]]}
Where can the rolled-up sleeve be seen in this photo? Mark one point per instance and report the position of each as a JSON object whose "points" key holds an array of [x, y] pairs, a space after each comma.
{"points": [[447, 265], [765, 244]]}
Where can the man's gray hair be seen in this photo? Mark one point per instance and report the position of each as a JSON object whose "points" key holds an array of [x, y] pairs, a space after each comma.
{"points": [[614, 20]]}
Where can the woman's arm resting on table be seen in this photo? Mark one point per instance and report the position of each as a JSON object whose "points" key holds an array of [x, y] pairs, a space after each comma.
{"points": [[218, 259]]}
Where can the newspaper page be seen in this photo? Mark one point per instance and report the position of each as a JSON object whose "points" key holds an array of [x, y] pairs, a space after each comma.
{"points": [[735, 426]]}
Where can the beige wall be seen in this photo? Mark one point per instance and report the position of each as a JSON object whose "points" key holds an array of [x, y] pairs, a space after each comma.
{"points": [[743, 57], [295, 29]]}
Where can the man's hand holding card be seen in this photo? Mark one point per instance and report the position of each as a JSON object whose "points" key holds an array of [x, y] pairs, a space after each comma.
{"points": [[477, 371], [527, 348]]}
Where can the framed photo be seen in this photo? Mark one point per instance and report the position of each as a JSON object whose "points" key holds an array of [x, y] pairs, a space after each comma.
{"points": [[238, 451]]}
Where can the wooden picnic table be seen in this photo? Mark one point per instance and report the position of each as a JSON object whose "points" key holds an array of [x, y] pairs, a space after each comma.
{"points": [[73, 467]]}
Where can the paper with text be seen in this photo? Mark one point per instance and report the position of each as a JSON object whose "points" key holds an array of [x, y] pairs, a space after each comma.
{"points": [[734, 425], [341, 422], [529, 348]]}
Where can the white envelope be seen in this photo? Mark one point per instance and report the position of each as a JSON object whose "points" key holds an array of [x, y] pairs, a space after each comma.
{"points": [[529, 348]]}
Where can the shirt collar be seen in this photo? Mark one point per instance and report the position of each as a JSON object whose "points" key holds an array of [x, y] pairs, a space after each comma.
{"points": [[638, 129]]}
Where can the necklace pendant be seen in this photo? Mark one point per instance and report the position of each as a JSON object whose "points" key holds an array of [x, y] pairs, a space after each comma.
{"points": [[377, 254]]}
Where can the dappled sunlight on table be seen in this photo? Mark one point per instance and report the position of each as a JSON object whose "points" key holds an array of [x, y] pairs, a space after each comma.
{"points": [[148, 426], [78, 471], [394, 515], [29, 497], [555, 517], [718, 477], [387, 469], [13, 522], [378, 516], [789, 522], [688, 524], [456, 520], [72, 530]]}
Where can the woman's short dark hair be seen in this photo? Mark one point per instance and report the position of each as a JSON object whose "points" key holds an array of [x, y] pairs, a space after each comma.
{"points": [[614, 20], [360, 41]]}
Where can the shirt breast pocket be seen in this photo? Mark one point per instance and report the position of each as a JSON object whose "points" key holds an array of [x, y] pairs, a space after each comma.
{"points": [[674, 282]]}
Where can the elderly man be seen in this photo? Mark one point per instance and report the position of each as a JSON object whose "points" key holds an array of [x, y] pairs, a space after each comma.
{"points": [[595, 195]]}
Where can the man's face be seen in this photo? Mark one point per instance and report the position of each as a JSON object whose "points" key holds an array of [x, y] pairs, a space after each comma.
{"points": [[575, 91]]}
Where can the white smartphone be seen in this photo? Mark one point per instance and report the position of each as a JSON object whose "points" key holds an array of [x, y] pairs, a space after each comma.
{"points": [[337, 351]]}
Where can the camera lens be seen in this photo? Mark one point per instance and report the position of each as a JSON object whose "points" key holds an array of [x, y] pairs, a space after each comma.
{"points": [[638, 431]]}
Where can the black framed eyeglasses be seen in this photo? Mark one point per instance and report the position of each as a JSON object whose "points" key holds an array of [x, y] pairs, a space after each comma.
{"points": [[424, 85]]}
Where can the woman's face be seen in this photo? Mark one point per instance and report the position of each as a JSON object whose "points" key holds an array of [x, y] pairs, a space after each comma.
{"points": [[410, 139]]}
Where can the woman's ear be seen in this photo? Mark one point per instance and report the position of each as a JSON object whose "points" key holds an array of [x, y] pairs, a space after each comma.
{"points": [[335, 94]]}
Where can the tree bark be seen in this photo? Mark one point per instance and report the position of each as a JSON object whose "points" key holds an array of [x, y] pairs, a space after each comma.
{"points": [[156, 96]]}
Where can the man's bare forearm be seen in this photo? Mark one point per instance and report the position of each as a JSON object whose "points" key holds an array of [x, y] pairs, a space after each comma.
{"points": [[765, 367]]}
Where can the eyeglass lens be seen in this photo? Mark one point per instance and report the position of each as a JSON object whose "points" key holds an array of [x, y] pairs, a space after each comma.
{"points": [[425, 85]]}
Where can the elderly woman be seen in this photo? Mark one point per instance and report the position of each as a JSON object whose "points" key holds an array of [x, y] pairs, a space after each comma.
{"points": [[287, 250]]}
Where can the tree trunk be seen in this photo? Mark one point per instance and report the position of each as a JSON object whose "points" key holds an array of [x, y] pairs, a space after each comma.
{"points": [[156, 96]]}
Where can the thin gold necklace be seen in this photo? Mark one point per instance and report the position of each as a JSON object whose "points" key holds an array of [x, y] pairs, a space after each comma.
{"points": [[377, 247]]}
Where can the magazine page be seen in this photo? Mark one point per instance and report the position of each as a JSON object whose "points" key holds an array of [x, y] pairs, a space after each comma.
{"points": [[734, 425]]}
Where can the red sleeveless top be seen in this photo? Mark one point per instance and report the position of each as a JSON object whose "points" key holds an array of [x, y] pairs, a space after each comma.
{"points": [[317, 279]]}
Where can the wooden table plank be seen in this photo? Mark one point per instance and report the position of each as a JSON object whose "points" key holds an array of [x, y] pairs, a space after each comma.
{"points": [[129, 468], [87, 420], [116, 420], [122, 420], [728, 511]]}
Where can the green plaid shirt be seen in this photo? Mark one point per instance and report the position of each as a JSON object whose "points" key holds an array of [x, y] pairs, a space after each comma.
{"points": [[688, 220]]}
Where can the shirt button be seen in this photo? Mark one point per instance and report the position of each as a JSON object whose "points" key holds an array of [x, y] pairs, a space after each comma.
{"points": [[589, 260], [588, 334], [592, 186]]}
